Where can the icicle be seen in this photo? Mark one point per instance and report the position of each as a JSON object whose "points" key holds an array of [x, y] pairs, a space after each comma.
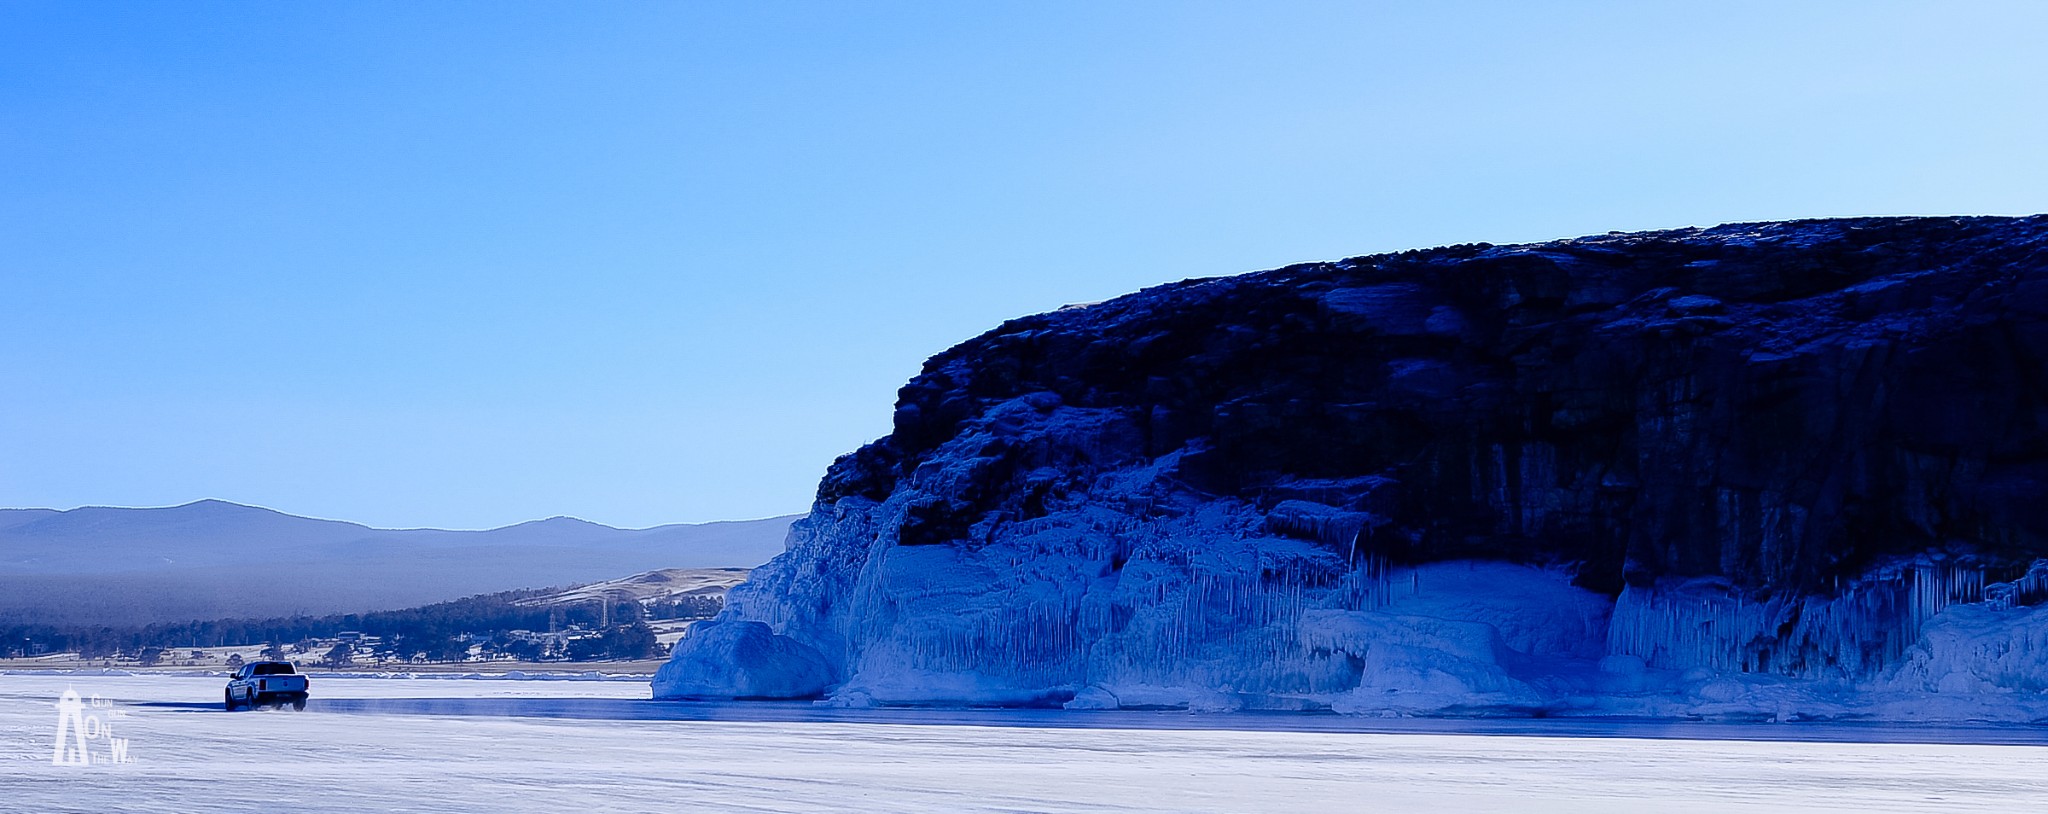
{"points": [[1851, 635]]}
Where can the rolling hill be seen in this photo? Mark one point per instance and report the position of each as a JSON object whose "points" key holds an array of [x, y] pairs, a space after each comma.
{"points": [[212, 558]]}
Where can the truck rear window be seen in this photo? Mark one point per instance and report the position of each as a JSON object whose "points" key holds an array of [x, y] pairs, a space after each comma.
{"points": [[272, 670]]}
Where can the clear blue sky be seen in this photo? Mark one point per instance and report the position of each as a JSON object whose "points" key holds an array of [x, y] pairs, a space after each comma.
{"points": [[463, 265]]}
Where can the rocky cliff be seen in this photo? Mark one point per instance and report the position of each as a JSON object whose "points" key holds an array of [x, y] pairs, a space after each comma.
{"points": [[1673, 472]]}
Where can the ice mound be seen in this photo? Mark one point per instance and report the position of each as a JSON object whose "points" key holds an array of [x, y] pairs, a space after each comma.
{"points": [[1978, 649], [738, 659]]}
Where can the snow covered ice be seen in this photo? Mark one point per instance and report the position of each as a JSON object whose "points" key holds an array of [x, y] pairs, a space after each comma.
{"points": [[194, 758]]}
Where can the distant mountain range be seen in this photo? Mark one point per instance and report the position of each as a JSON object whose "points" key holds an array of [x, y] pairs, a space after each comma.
{"points": [[215, 559]]}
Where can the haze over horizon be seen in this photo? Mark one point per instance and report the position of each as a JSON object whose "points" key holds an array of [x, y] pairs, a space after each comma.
{"points": [[463, 265], [293, 514]]}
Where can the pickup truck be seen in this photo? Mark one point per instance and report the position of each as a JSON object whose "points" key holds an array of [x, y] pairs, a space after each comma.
{"points": [[266, 683]]}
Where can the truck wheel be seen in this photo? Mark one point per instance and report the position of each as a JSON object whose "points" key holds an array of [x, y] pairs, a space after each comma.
{"points": [[299, 705], [228, 700]]}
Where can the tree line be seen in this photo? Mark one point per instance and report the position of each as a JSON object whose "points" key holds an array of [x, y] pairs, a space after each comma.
{"points": [[443, 631]]}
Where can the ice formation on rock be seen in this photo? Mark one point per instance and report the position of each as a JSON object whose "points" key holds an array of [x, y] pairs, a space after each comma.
{"points": [[1759, 471]]}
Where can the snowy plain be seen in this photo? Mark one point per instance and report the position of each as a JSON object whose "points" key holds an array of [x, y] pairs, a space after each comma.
{"points": [[380, 744]]}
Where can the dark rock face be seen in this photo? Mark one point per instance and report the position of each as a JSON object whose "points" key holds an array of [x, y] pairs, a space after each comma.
{"points": [[1609, 475], [1777, 404]]}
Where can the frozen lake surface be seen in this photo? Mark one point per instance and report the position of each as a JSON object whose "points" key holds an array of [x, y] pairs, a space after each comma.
{"points": [[468, 745]]}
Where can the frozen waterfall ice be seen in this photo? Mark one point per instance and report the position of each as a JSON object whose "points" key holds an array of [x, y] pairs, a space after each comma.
{"points": [[1218, 605]]}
